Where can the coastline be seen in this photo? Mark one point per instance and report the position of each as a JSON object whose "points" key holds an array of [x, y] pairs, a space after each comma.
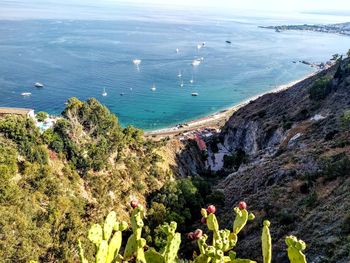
{"points": [[218, 119]]}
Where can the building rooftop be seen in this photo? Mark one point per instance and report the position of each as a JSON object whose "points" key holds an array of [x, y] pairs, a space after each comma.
{"points": [[17, 111]]}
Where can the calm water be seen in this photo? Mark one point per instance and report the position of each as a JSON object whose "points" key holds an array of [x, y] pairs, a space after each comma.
{"points": [[82, 57]]}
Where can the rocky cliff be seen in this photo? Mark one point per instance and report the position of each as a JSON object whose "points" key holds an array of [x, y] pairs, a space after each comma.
{"points": [[297, 168]]}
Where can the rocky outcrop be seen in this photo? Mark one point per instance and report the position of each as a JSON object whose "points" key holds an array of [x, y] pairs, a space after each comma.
{"points": [[298, 173]]}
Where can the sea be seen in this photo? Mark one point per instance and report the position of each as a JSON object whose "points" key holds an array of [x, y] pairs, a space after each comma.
{"points": [[84, 55]]}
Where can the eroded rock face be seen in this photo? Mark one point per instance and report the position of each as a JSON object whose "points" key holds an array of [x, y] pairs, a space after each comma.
{"points": [[298, 173]]}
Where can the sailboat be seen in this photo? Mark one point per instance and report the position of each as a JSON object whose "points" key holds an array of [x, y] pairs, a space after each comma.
{"points": [[136, 61], [104, 93], [179, 75], [153, 87], [192, 80], [181, 84]]}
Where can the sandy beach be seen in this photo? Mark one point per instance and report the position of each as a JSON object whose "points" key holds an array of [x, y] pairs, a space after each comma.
{"points": [[215, 120]]}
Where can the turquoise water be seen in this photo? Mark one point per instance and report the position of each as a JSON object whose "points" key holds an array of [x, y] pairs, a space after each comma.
{"points": [[82, 57]]}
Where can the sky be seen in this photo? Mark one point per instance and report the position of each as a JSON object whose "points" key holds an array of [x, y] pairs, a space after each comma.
{"points": [[268, 5], [106, 9]]}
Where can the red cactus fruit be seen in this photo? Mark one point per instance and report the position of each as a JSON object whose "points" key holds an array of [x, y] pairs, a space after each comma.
{"points": [[242, 205], [203, 220], [190, 235], [134, 204], [211, 209], [198, 233]]}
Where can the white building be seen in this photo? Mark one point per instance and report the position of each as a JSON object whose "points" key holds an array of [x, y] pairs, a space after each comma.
{"points": [[17, 111]]}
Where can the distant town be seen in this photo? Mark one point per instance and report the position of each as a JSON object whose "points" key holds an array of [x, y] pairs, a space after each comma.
{"points": [[342, 28]]}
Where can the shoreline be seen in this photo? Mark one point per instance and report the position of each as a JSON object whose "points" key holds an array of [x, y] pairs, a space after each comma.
{"points": [[217, 119]]}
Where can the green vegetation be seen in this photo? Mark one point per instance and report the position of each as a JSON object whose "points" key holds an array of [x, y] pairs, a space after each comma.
{"points": [[42, 116], [178, 201], [345, 119], [24, 133], [53, 184], [108, 240], [235, 159], [108, 245], [321, 88]]}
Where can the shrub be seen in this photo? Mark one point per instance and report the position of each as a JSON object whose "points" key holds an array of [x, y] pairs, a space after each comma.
{"points": [[320, 89], [42, 116], [26, 135], [235, 159], [336, 166], [345, 119]]}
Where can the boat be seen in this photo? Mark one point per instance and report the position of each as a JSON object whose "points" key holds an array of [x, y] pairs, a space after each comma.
{"points": [[194, 94], [181, 84], [153, 88], [104, 93], [26, 94], [192, 80], [38, 85], [136, 61], [177, 50], [179, 75], [199, 46], [228, 41], [122, 94], [196, 62]]}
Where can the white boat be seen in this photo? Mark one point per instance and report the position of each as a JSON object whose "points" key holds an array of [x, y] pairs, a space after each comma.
{"points": [[196, 62], [38, 85], [192, 79], [153, 88], [181, 84], [199, 46], [104, 93], [136, 61], [194, 94], [177, 50], [179, 75], [26, 94]]}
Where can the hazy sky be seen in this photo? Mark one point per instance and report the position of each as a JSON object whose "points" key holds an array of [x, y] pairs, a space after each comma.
{"points": [[271, 5], [105, 9]]}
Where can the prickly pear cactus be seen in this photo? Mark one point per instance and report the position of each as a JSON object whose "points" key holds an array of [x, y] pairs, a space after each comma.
{"points": [[295, 248], [242, 216], [107, 243], [135, 244], [173, 242], [266, 242], [223, 240], [81, 253]]}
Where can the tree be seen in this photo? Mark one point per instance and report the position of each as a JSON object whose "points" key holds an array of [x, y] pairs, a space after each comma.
{"points": [[320, 88], [335, 57], [348, 53], [42, 116]]}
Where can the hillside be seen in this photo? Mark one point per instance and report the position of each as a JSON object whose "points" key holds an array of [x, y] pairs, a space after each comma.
{"points": [[287, 155], [53, 185]]}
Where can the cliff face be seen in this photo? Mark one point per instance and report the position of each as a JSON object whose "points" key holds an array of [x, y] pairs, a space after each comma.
{"points": [[298, 171]]}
